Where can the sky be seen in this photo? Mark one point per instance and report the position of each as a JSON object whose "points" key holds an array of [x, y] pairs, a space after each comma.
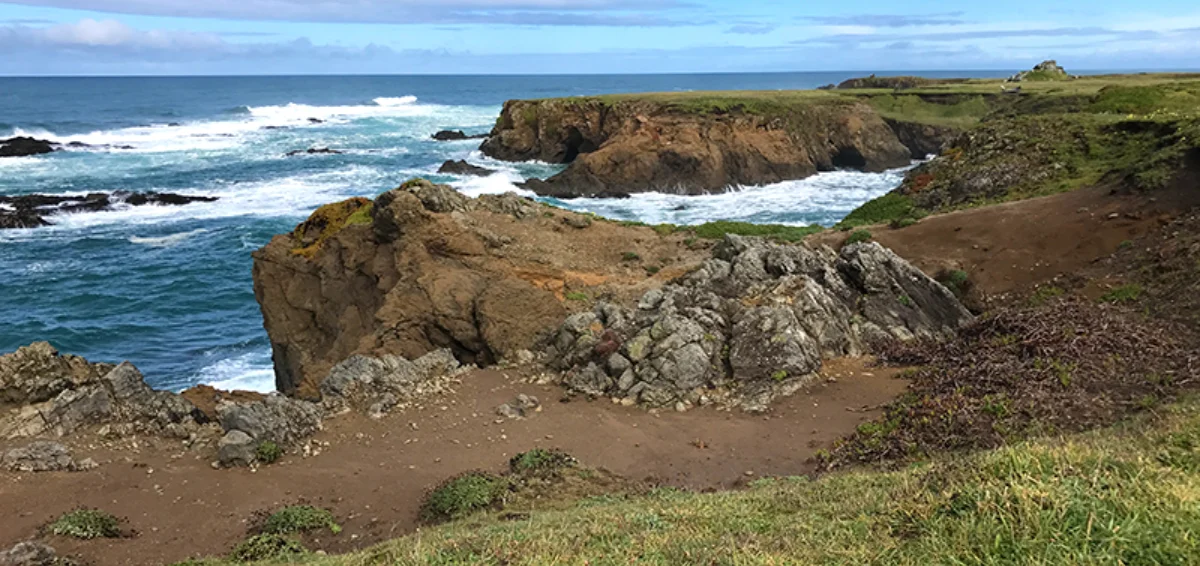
{"points": [[199, 37]]}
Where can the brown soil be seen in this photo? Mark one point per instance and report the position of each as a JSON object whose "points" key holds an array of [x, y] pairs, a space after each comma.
{"points": [[373, 474], [1014, 246]]}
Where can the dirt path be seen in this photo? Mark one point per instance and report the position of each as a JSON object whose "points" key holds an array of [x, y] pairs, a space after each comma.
{"points": [[373, 475]]}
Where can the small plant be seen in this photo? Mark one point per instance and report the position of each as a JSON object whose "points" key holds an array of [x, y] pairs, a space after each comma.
{"points": [[1126, 245], [858, 237], [957, 281], [1044, 294], [577, 296], [266, 547], [463, 495], [780, 375], [905, 222], [690, 243], [1123, 294], [540, 461], [630, 256], [653, 270], [906, 300], [665, 229], [87, 524], [268, 452], [300, 519]]}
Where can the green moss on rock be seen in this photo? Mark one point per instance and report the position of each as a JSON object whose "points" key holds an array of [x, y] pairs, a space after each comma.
{"points": [[327, 221]]}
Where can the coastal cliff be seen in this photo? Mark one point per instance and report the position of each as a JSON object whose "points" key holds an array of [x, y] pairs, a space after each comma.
{"points": [[691, 144]]}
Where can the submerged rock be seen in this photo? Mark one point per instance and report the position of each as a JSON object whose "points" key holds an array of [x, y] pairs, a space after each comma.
{"points": [[461, 167], [313, 151], [758, 318], [25, 146], [456, 135], [32, 211]]}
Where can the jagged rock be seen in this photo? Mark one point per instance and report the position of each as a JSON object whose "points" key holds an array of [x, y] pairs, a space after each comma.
{"points": [[377, 385], [24, 146], [758, 317], [43, 456], [51, 394], [1044, 71], [276, 418], [237, 448], [31, 211], [523, 406], [461, 167], [33, 553], [433, 269], [456, 135], [641, 145]]}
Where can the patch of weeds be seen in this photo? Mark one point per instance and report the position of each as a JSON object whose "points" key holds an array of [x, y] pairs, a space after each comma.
{"points": [[1125, 245], [541, 461], [268, 452], [87, 524], [577, 296], [300, 519], [858, 237], [633, 224], [889, 207], [630, 256], [1123, 294], [463, 495], [957, 281], [653, 270], [906, 301], [780, 375], [903, 223], [1044, 294], [266, 547], [665, 229]]}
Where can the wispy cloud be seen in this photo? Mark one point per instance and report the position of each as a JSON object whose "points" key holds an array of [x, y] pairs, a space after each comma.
{"points": [[591, 13], [980, 34], [889, 20], [751, 28]]}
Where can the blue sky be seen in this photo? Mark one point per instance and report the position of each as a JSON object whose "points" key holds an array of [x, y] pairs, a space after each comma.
{"points": [[72, 37]]}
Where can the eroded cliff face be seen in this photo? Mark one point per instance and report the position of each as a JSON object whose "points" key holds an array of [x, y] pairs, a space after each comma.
{"points": [[424, 268], [640, 145]]}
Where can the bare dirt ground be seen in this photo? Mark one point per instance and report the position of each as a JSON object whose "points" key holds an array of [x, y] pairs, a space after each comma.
{"points": [[373, 474], [1011, 247]]}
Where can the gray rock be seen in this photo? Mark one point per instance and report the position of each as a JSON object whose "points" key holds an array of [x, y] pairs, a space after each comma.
{"points": [[32, 553], [377, 385], [759, 316], [237, 448], [41, 456], [523, 406], [276, 418]]}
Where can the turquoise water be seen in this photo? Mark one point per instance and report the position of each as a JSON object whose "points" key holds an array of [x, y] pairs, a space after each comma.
{"points": [[169, 288]]}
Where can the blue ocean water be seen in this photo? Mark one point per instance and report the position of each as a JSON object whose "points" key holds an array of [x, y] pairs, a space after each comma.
{"points": [[169, 288]]}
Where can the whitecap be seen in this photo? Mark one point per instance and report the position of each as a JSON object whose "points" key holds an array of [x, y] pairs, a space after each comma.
{"points": [[252, 371], [395, 101], [166, 241]]}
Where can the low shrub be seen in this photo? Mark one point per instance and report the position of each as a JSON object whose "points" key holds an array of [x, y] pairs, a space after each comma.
{"points": [[463, 495], [268, 452], [266, 547], [858, 237], [87, 524], [300, 519]]}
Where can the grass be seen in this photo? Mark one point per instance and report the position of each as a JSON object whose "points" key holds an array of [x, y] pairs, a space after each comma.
{"points": [[1124, 495], [540, 461], [1045, 294], [87, 524], [267, 547], [887, 208], [717, 230], [268, 452], [965, 111], [300, 519], [1123, 294], [463, 495], [630, 256], [577, 296], [858, 237]]}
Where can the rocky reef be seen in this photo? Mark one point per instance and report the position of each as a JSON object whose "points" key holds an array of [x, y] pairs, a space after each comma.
{"points": [[689, 144], [25, 146], [32, 211], [461, 167], [754, 321]]}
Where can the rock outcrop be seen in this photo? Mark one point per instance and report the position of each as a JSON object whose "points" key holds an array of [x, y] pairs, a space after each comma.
{"points": [[25, 146], [754, 321], [456, 135], [43, 456], [1044, 71], [32, 211], [461, 167], [686, 146], [33, 553], [424, 268], [43, 393]]}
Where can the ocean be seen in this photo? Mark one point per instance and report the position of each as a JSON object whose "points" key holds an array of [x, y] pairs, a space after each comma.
{"points": [[169, 288]]}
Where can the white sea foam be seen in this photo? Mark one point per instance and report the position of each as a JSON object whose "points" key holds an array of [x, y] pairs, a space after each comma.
{"points": [[248, 372], [166, 241]]}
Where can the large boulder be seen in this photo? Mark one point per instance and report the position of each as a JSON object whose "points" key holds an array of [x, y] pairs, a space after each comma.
{"points": [[377, 385], [33, 553], [43, 456], [757, 319], [647, 144], [44, 393], [423, 268], [461, 167]]}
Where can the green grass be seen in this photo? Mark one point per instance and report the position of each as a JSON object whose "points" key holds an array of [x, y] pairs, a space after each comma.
{"points": [[630, 256], [577, 296], [300, 519], [858, 237], [87, 524], [463, 495], [268, 547], [885, 209], [268, 452], [1123, 294], [1045, 294], [540, 461], [717, 230], [1125, 495], [966, 111]]}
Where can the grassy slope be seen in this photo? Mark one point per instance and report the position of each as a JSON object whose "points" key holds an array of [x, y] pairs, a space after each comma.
{"points": [[1127, 495]]}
